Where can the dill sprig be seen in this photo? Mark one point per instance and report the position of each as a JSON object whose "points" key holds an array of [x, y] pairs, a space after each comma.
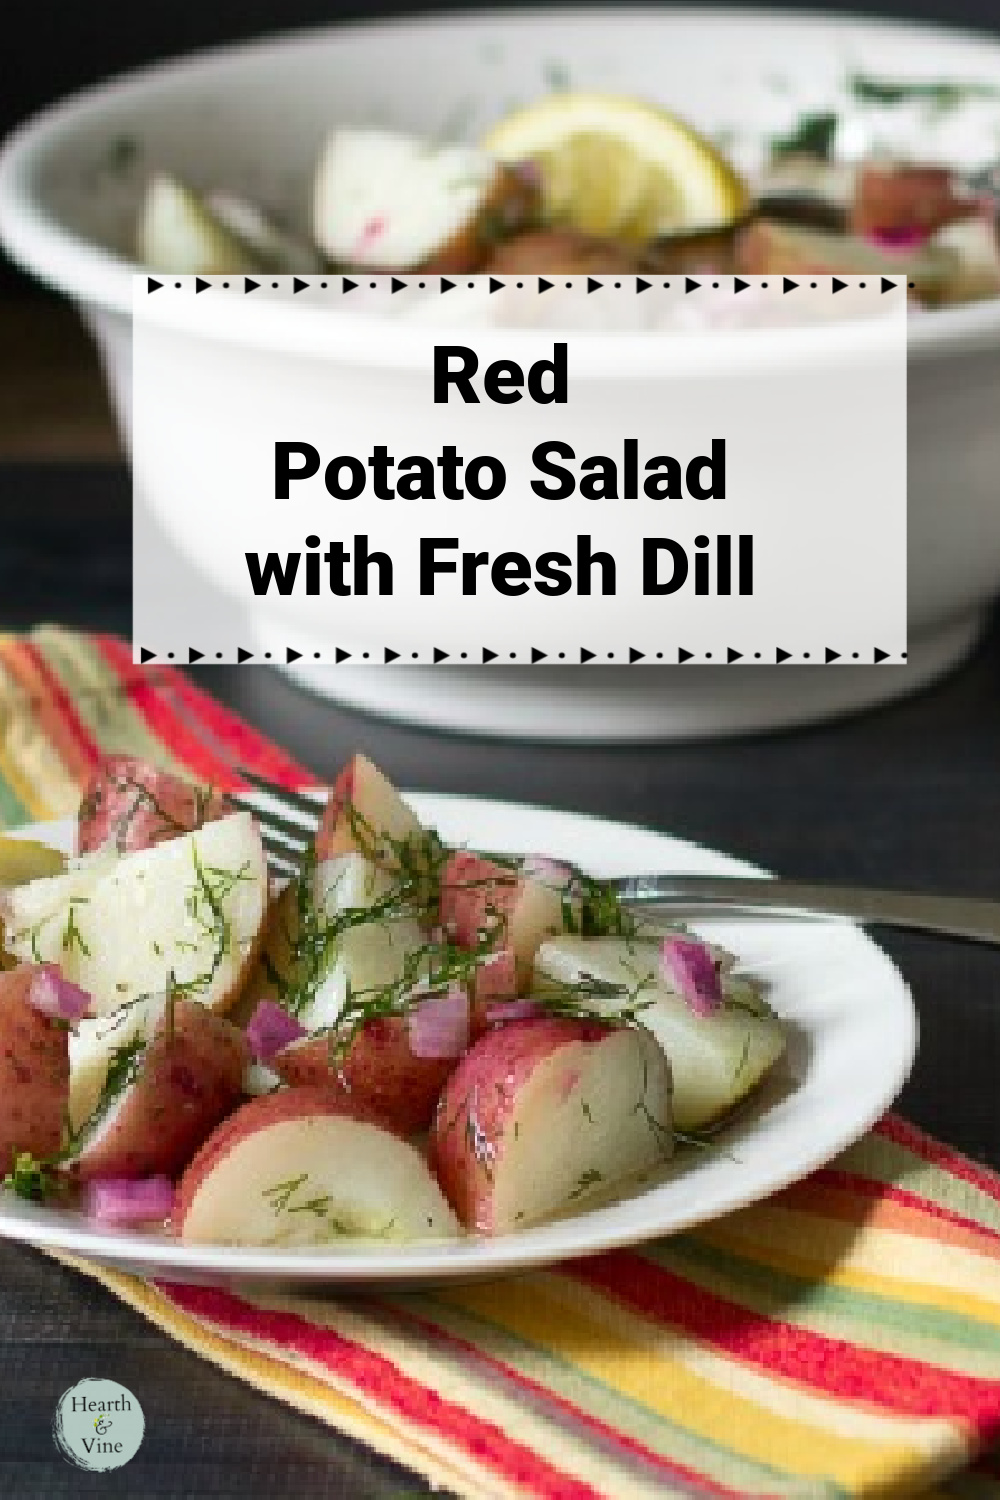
{"points": [[417, 860], [592, 908], [123, 1069], [204, 905], [313, 945], [31, 1179], [426, 973], [72, 936]]}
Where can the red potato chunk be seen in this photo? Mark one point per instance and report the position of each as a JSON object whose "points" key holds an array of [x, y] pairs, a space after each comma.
{"points": [[306, 1166], [895, 198], [366, 815], [767, 248], [564, 252], [34, 1073], [379, 1072], [478, 896], [183, 1082], [511, 203], [134, 805], [541, 1115]]}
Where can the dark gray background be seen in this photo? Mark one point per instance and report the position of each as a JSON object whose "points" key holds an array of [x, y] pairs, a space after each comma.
{"points": [[50, 47]]}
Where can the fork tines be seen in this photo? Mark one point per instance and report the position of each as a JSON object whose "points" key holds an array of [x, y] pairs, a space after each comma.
{"points": [[288, 828]]}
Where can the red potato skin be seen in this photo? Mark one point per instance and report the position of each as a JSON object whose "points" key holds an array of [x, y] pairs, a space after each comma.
{"points": [[333, 836], [352, 793], [475, 893], [467, 1134], [511, 205], [191, 1079], [888, 198], [379, 1073], [259, 1114], [34, 1073], [564, 252], [138, 805]]}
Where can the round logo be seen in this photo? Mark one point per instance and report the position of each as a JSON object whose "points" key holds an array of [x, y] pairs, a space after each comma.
{"points": [[98, 1425]]}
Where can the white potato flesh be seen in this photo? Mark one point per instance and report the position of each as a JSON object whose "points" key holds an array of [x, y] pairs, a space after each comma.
{"points": [[350, 881], [387, 200], [192, 907], [367, 956], [366, 814], [716, 1060], [587, 1120], [48, 898], [177, 234], [92, 1046], [316, 1180]]}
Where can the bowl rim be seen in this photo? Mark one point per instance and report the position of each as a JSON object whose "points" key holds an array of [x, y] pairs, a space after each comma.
{"points": [[103, 279]]}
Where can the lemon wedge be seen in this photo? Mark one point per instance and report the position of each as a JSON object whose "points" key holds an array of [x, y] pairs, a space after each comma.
{"points": [[620, 168], [22, 860]]}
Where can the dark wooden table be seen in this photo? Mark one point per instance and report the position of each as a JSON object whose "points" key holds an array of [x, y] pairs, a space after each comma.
{"points": [[908, 795]]}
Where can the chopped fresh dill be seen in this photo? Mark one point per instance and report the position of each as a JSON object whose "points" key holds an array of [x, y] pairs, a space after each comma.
{"points": [[204, 905], [416, 861], [31, 1179], [279, 1193], [812, 135], [663, 1134], [587, 1179], [317, 1206], [123, 1069], [941, 95], [72, 936], [313, 945], [592, 908]]}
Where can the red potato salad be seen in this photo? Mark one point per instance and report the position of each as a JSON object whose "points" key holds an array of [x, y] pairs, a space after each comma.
{"points": [[890, 176], [405, 1042]]}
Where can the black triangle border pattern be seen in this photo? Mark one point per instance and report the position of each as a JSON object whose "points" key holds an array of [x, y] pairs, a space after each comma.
{"points": [[530, 656], [338, 283]]}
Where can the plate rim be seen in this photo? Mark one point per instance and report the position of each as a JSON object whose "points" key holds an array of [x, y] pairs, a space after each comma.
{"points": [[507, 1254]]}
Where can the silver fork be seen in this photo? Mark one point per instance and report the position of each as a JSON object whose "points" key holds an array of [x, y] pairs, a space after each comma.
{"points": [[288, 832]]}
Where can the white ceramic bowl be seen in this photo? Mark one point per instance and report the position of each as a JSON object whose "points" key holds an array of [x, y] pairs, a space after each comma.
{"points": [[252, 118]]}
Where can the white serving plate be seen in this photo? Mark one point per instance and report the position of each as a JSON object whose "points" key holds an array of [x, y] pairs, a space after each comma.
{"points": [[853, 1041]]}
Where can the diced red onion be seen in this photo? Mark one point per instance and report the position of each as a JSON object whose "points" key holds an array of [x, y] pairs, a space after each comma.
{"points": [[270, 1028], [130, 1200], [56, 997], [688, 965], [503, 1011], [553, 872], [909, 238], [439, 1025]]}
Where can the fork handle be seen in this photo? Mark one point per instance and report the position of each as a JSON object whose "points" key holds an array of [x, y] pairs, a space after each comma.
{"points": [[955, 916]]}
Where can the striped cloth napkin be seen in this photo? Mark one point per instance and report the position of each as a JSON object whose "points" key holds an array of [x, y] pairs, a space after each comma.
{"points": [[842, 1338]]}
